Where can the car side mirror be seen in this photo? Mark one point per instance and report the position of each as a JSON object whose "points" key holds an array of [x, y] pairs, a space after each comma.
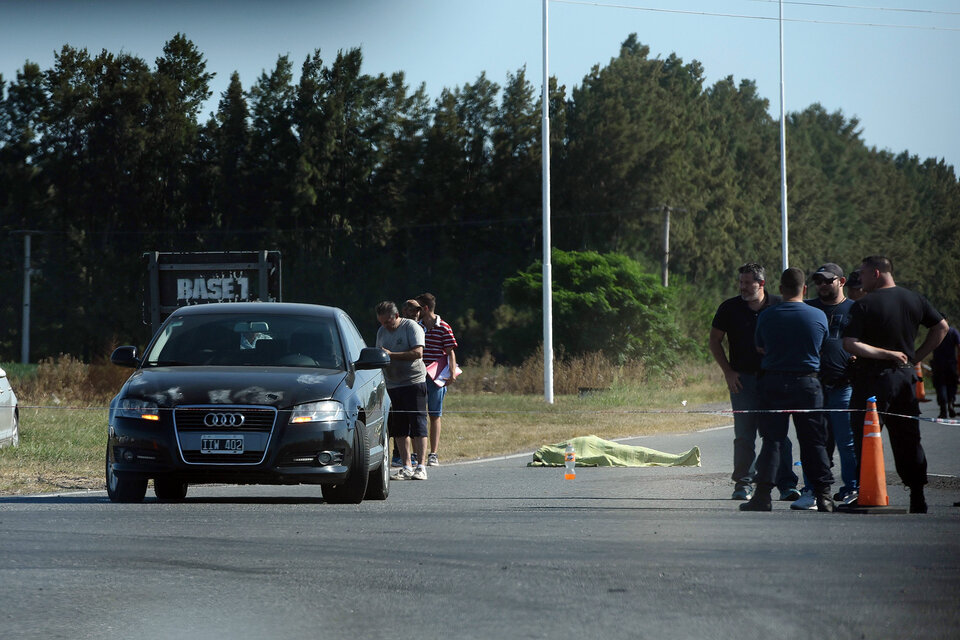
{"points": [[372, 358], [125, 356]]}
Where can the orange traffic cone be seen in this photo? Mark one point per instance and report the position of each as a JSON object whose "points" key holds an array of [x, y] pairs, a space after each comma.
{"points": [[920, 390], [873, 474]]}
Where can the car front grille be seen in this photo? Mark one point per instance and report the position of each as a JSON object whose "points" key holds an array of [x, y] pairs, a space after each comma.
{"points": [[192, 421], [254, 418]]}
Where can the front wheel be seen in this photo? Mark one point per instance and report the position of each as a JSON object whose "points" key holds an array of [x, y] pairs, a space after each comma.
{"points": [[378, 485], [351, 490], [122, 487]]}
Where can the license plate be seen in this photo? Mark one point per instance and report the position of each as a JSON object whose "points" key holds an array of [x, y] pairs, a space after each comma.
{"points": [[222, 444]]}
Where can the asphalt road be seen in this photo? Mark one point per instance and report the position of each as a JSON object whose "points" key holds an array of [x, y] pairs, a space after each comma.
{"points": [[489, 549]]}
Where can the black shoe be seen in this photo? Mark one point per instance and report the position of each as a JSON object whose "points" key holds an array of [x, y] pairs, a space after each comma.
{"points": [[953, 414], [918, 504], [824, 503], [943, 414], [758, 503]]}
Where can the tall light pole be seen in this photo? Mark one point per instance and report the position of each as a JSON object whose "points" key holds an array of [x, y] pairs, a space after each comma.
{"points": [[784, 243], [547, 266]]}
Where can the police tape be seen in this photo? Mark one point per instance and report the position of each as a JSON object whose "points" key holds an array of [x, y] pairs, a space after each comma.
{"points": [[611, 412]]}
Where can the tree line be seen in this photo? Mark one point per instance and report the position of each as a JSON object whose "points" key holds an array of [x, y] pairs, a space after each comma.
{"points": [[373, 190]]}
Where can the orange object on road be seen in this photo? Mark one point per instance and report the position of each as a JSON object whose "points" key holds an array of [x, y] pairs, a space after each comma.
{"points": [[873, 473], [920, 390]]}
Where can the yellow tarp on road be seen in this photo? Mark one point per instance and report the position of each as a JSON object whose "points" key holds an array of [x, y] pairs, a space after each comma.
{"points": [[596, 452]]}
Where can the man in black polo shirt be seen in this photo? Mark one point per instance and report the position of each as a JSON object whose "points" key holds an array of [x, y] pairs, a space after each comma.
{"points": [[881, 334], [736, 318]]}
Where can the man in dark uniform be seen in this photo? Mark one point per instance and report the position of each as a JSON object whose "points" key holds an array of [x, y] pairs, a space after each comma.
{"points": [[736, 318], [881, 334], [790, 337], [946, 374]]}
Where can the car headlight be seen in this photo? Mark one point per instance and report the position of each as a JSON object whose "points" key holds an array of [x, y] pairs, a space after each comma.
{"points": [[134, 408], [325, 411]]}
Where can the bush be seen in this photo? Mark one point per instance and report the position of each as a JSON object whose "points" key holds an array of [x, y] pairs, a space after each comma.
{"points": [[601, 303]]}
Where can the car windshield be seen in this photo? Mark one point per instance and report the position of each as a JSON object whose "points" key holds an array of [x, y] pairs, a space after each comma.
{"points": [[233, 339]]}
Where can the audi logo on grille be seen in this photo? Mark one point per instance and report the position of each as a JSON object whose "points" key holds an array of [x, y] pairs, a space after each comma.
{"points": [[223, 419]]}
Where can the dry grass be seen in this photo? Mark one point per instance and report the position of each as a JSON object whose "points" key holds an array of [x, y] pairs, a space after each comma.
{"points": [[60, 449], [65, 381], [491, 410]]}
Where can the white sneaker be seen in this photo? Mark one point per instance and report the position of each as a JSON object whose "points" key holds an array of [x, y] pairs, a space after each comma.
{"points": [[432, 460], [403, 473], [420, 473], [806, 501]]}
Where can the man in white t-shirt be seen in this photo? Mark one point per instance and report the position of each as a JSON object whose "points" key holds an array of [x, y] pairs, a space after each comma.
{"points": [[406, 376]]}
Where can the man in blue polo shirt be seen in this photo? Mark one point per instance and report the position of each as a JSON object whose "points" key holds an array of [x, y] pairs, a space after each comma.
{"points": [[790, 337], [736, 318]]}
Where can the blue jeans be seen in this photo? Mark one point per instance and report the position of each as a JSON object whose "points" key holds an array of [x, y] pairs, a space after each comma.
{"points": [[789, 391], [840, 428], [435, 397], [839, 398], [745, 428]]}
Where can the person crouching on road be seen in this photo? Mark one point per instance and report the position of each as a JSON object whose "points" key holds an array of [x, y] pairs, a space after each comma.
{"points": [[406, 377], [790, 337]]}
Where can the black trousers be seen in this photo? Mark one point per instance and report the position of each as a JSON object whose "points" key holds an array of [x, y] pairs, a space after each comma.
{"points": [[779, 391], [894, 389]]}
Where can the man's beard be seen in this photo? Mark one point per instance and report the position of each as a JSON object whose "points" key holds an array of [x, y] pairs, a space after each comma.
{"points": [[751, 297]]}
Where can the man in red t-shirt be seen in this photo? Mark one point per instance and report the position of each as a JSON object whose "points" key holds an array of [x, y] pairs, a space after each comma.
{"points": [[439, 345]]}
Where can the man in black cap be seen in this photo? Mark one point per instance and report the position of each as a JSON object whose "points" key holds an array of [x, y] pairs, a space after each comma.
{"points": [[790, 337], [835, 381], [854, 286], [881, 334]]}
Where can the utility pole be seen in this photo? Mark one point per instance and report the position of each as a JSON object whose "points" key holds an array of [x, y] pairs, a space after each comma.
{"points": [[784, 234], [27, 272], [547, 242], [666, 245], [665, 264]]}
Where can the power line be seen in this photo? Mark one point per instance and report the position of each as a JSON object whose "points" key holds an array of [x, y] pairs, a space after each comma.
{"points": [[749, 17], [860, 8]]}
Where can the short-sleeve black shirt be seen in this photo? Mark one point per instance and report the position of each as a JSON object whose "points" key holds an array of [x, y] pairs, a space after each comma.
{"points": [[889, 318], [736, 319]]}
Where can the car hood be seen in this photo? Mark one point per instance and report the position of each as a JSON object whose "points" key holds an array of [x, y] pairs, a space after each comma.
{"points": [[278, 387]]}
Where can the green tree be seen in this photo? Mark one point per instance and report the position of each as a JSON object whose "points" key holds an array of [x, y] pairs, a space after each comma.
{"points": [[601, 302]]}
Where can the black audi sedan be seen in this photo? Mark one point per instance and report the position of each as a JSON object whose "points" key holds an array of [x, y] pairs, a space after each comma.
{"points": [[251, 393]]}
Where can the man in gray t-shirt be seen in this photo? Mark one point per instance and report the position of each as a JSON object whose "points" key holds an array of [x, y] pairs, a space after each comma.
{"points": [[406, 377]]}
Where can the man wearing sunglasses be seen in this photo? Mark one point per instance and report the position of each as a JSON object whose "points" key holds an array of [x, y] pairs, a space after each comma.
{"points": [[881, 334], [828, 282]]}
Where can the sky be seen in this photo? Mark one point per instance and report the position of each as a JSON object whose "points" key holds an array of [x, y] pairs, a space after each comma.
{"points": [[902, 84]]}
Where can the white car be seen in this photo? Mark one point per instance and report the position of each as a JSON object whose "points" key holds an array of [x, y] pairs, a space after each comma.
{"points": [[9, 414]]}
